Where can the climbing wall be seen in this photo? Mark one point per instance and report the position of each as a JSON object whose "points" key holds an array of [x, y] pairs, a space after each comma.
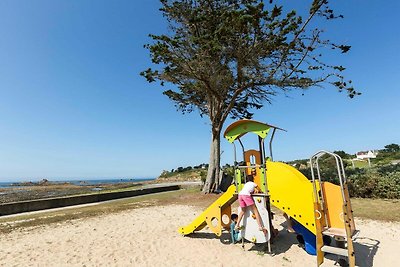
{"points": [[249, 224]]}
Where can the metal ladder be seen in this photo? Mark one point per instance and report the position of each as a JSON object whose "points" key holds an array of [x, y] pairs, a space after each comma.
{"points": [[343, 238]]}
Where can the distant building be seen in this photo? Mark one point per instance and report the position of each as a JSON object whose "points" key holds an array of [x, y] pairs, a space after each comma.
{"points": [[370, 154]]}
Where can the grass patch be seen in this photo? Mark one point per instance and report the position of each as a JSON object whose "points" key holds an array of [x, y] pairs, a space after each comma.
{"points": [[376, 209], [179, 174], [361, 163], [260, 253]]}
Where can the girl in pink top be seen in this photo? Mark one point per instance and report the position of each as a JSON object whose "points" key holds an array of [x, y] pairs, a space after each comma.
{"points": [[246, 201]]}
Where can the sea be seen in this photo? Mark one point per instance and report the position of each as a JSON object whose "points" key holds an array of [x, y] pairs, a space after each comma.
{"points": [[82, 182]]}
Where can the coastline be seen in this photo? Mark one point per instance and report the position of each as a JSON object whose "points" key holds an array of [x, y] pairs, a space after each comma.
{"points": [[82, 182], [50, 189]]}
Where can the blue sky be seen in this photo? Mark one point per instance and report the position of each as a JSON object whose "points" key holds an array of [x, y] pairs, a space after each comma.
{"points": [[72, 103]]}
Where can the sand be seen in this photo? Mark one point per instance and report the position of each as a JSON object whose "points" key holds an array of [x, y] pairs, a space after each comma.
{"points": [[149, 237]]}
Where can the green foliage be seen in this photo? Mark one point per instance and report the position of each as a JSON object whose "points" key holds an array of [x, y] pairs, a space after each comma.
{"points": [[229, 170], [360, 163], [376, 183], [392, 148], [343, 154], [387, 155], [382, 180], [388, 168], [226, 57], [203, 176], [299, 163], [182, 170], [328, 169]]}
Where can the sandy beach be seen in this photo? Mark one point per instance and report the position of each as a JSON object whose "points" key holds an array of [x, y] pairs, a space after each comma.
{"points": [[149, 237]]}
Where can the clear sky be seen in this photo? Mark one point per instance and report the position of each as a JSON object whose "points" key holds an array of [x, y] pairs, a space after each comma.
{"points": [[72, 103]]}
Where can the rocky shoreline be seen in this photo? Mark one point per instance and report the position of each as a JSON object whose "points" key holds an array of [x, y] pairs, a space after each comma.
{"points": [[46, 189]]}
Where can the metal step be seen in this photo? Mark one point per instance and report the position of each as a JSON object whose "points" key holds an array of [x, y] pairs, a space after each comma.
{"points": [[335, 250], [334, 232]]}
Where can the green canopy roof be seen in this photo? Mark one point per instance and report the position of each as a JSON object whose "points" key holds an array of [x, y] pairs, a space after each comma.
{"points": [[242, 127]]}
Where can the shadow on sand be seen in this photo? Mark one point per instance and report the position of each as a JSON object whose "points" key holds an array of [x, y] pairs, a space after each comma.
{"points": [[280, 244], [364, 247], [283, 242], [225, 238]]}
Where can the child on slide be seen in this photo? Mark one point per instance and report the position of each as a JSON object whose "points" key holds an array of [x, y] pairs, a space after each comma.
{"points": [[246, 201]]}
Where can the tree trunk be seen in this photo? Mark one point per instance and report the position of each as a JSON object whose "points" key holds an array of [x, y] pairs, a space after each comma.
{"points": [[212, 180]]}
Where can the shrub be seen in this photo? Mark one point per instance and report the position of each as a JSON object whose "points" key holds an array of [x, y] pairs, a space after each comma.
{"points": [[203, 176], [375, 183]]}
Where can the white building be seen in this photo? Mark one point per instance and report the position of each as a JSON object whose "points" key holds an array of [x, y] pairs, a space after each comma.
{"points": [[371, 154]]}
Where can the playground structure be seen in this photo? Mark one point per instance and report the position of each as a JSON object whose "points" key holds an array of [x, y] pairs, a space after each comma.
{"points": [[316, 208]]}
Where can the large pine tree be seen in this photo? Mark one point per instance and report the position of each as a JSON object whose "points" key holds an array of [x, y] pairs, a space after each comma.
{"points": [[228, 57]]}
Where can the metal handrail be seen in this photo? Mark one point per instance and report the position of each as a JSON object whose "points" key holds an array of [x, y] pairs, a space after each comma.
{"points": [[340, 172], [270, 143], [339, 167]]}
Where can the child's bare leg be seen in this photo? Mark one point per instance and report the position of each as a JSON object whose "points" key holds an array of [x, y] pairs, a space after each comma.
{"points": [[241, 213]]}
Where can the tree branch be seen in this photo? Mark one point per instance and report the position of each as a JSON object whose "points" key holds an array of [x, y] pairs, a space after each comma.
{"points": [[301, 60], [284, 55]]}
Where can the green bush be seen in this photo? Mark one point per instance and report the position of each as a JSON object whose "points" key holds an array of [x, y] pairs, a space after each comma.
{"points": [[375, 183], [203, 176]]}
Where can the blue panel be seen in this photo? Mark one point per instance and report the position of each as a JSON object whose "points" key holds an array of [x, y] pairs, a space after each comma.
{"points": [[309, 237]]}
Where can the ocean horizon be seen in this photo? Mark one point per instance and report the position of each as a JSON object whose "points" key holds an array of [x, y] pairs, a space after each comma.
{"points": [[83, 182]]}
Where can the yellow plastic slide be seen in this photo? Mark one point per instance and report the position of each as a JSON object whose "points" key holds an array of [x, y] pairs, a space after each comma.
{"points": [[212, 216], [291, 192]]}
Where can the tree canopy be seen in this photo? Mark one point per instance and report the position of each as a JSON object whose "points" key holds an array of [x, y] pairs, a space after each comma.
{"points": [[229, 57], [343, 154], [392, 148]]}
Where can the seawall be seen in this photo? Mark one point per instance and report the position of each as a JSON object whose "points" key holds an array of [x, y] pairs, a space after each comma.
{"points": [[50, 203]]}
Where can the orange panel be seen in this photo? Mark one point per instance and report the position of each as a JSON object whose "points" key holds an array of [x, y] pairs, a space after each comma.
{"points": [[334, 204], [256, 172]]}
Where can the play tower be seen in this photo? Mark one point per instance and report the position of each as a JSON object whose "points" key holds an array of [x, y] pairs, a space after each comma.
{"points": [[318, 209]]}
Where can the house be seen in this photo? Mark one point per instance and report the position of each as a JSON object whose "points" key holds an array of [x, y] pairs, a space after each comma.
{"points": [[370, 154]]}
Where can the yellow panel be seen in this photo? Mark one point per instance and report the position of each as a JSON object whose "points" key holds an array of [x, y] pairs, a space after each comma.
{"points": [[292, 193], [215, 210], [334, 204]]}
